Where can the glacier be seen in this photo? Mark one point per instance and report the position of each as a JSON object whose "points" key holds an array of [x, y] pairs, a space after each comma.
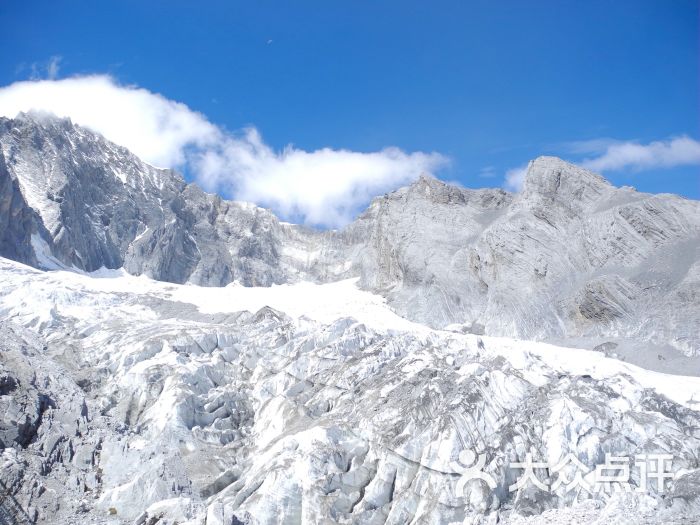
{"points": [[168, 356], [174, 403]]}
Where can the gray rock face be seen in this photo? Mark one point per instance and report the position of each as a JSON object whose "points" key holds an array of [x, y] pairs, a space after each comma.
{"points": [[570, 257], [17, 220], [103, 207], [418, 249], [44, 431]]}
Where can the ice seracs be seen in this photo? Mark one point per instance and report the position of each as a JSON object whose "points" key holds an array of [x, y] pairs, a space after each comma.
{"points": [[150, 400]]}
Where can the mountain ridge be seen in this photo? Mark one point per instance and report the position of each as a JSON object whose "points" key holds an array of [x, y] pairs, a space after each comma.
{"points": [[570, 256]]}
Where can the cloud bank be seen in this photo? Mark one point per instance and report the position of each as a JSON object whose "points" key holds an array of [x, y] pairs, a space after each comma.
{"points": [[515, 178], [604, 155], [324, 187], [678, 151]]}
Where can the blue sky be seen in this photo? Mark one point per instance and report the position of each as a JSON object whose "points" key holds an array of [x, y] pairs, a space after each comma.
{"points": [[488, 85]]}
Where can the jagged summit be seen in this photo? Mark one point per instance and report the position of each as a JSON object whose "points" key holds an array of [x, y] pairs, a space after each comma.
{"points": [[555, 179], [431, 189], [45, 118]]}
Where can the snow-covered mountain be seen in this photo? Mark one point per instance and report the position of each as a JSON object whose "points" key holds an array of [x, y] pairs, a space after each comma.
{"points": [[569, 257], [194, 360]]}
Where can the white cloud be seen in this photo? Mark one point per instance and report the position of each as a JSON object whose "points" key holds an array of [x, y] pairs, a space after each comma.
{"points": [[487, 172], [40, 70], [325, 186], [156, 129], [679, 151], [53, 67], [515, 178], [606, 154]]}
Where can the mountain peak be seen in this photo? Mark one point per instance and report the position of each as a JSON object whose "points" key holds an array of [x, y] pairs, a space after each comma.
{"points": [[43, 118], [426, 180], [555, 179]]}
